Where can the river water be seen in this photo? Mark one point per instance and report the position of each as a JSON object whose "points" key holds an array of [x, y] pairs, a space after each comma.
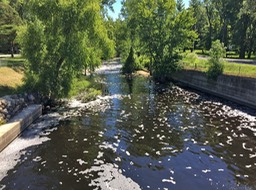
{"points": [[141, 135]]}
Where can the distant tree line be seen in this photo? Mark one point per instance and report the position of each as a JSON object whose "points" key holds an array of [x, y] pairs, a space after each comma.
{"points": [[157, 30], [233, 22]]}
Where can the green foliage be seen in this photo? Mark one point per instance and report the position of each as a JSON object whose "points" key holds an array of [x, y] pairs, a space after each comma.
{"points": [[216, 64], [9, 21], [243, 70], [129, 65], [84, 89], [218, 50], [60, 40], [160, 31], [122, 39], [89, 95], [192, 57], [79, 85]]}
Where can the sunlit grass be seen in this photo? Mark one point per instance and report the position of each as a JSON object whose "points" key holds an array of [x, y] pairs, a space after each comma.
{"points": [[230, 54], [10, 80], [235, 69], [12, 62]]}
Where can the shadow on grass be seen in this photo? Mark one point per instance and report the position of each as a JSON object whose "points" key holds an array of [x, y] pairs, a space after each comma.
{"points": [[5, 90]]}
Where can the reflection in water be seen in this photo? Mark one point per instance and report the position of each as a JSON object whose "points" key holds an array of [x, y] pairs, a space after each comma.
{"points": [[143, 137], [129, 80]]}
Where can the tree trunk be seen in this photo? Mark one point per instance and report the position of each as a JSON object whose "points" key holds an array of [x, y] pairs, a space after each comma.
{"points": [[242, 51], [245, 22], [209, 43], [58, 66], [250, 48], [12, 49], [225, 34]]}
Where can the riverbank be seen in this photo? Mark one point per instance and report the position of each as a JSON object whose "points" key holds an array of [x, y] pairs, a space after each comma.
{"points": [[241, 90], [169, 138]]}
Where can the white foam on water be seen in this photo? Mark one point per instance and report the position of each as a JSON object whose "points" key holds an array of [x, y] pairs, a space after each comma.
{"points": [[110, 177], [34, 135]]}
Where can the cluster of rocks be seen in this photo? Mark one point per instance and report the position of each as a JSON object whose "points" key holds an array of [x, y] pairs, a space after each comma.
{"points": [[10, 105]]}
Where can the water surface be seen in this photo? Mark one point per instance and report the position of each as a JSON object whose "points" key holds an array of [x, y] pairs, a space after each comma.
{"points": [[141, 136]]}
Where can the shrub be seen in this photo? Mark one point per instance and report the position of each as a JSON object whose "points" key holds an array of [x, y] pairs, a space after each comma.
{"points": [[89, 95], [129, 65], [217, 52], [191, 57]]}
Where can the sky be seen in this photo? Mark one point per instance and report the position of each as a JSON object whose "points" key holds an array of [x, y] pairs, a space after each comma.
{"points": [[117, 8]]}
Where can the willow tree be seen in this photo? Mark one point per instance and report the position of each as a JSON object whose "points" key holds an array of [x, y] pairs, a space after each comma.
{"points": [[162, 31], [61, 39]]}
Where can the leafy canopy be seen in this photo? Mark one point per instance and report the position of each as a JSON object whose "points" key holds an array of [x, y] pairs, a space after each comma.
{"points": [[62, 38], [9, 21], [161, 30]]}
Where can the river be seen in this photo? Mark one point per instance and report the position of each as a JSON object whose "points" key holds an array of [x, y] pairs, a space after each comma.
{"points": [[140, 135]]}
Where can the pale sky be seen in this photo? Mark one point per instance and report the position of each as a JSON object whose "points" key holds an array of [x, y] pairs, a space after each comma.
{"points": [[117, 8]]}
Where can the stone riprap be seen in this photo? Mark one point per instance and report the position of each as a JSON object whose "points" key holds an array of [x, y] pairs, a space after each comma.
{"points": [[12, 104]]}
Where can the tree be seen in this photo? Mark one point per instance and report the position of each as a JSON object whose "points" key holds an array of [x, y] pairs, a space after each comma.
{"points": [[161, 31], [216, 64], [245, 27], [123, 38], [200, 26], [129, 65], [180, 5], [60, 40], [213, 22], [9, 21]]}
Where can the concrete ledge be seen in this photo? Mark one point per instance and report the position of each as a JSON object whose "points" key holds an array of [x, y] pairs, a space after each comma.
{"points": [[17, 124]]}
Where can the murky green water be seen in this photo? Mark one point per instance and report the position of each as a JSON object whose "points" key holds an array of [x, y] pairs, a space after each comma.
{"points": [[143, 136]]}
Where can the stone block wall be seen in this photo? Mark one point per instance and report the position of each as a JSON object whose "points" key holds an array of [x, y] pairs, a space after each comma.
{"points": [[12, 104]]}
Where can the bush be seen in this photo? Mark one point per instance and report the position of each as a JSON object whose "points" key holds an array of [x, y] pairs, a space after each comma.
{"points": [[162, 71], [190, 59], [129, 65], [89, 95], [216, 68], [217, 52]]}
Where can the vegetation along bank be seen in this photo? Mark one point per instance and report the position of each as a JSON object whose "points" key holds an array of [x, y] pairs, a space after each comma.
{"points": [[152, 35]]}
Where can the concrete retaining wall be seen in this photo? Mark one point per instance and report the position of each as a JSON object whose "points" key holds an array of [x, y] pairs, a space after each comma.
{"points": [[9, 131], [238, 89]]}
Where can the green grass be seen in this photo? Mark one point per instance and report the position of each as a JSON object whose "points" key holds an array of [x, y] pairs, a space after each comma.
{"points": [[230, 54], [235, 69], [85, 89], [10, 80], [12, 62]]}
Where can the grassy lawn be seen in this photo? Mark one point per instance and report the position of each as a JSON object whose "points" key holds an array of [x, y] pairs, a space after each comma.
{"points": [[10, 79], [230, 54], [12, 62], [11, 74], [244, 70]]}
